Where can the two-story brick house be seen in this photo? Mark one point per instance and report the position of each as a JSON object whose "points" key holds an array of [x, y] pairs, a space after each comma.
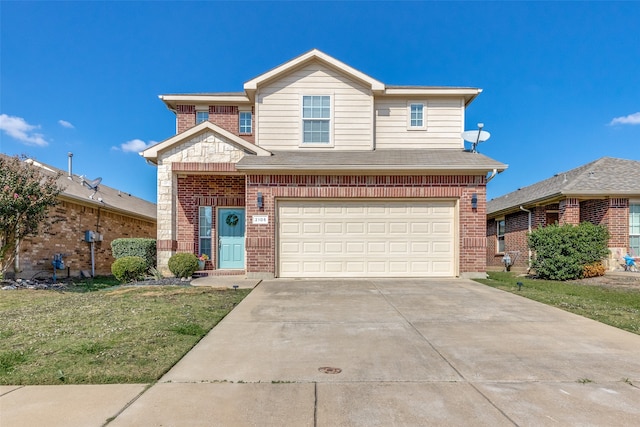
{"points": [[318, 170]]}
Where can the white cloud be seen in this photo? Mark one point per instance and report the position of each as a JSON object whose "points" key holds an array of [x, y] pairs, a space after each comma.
{"points": [[134, 146], [66, 124], [18, 128], [631, 119]]}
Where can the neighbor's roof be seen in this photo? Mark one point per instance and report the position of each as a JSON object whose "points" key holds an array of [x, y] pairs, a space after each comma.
{"points": [[376, 160], [606, 176], [105, 197]]}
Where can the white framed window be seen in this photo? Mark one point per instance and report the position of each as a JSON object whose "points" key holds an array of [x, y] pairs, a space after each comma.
{"points": [[205, 224], [202, 116], [245, 121], [500, 228], [316, 119], [416, 116], [634, 228]]}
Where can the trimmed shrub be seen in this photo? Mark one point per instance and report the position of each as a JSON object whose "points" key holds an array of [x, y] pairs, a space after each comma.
{"points": [[129, 269], [183, 264], [562, 252], [593, 270], [141, 247]]}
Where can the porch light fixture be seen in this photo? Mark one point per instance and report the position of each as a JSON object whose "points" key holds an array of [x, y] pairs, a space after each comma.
{"points": [[474, 201], [260, 200]]}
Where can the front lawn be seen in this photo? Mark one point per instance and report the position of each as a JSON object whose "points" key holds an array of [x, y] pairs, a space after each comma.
{"points": [[619, 307], [115, 335]]}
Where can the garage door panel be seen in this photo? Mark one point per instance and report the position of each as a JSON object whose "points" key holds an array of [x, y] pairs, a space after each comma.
{"points": [[366, 238]]}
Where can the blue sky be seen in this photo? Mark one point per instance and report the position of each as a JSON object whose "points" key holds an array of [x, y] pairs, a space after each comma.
{"points": [[561, 80]]}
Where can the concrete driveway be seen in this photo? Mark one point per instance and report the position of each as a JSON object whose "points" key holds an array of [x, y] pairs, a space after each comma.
{"points": [[397, 353]]}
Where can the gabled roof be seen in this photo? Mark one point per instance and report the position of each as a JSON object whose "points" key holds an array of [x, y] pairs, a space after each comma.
{"points": [[75, 189], [377, 87], [312, 55], [605, 177], [151, 153], [378, 161]]}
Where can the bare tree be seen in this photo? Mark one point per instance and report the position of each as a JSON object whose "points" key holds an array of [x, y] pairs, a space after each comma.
{"points": [[26, 194]]}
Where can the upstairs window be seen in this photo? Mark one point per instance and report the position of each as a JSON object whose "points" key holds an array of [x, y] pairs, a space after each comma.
{"points": [[316, 119], [500, 225], [202, 116], [416, 116], [245, 122]]}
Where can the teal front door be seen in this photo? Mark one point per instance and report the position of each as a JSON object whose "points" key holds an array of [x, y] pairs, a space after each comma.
{"points": [[230, 238]]}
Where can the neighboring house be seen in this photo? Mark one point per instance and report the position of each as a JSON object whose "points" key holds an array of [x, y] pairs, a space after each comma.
{"points": [[109, 213], [606, 191], [318, 170]]}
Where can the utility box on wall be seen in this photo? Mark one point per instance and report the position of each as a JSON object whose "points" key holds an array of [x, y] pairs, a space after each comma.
{"points": [[92, 236]]}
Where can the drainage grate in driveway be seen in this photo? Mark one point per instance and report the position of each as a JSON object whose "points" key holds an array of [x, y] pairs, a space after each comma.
{"points": [[329, 370]]}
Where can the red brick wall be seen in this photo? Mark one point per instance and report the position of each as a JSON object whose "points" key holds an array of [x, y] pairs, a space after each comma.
{"points": [[204, 190], [225, 116], [185, 117], [515, 239], [612, 213], [569, 211], [63, 232], [261, 249]]}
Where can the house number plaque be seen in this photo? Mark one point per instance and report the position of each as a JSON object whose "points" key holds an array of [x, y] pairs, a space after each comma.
{"points": [[260, 219]]}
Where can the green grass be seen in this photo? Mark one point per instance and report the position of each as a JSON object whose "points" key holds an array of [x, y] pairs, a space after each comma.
{"points": [[615, 307], [115, 335]]}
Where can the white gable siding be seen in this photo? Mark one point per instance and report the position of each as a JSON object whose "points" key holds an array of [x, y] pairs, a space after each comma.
{"points": [[278, 109], [444, 119]]}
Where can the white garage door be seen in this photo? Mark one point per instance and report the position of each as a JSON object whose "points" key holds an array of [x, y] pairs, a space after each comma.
{"points": [[366, 238]]}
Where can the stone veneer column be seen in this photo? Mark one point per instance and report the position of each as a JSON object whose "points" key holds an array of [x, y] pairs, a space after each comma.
{"points": [[166, 236]]}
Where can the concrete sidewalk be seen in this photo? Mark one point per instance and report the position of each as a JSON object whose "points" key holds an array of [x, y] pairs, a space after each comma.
{"points": [[379, 353]]}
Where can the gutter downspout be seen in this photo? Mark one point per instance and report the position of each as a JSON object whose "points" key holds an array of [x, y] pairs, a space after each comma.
{"points": [[493, 174], [529, 212]]}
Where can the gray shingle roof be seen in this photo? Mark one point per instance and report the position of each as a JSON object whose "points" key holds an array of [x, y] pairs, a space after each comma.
{"points": [[606, 176], [375, 160], [111, 198]]}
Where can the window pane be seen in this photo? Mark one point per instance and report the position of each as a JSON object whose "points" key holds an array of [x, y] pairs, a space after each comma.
{"points": [[316, 107], [634, 243], [205, 221], [634, 219], [202, 116], [417, 115], [316, 131], [245, 122], [205, 247]]}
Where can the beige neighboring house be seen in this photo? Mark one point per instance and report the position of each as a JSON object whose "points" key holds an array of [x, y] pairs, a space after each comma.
{"points": [[316, 169], [106, 212]]}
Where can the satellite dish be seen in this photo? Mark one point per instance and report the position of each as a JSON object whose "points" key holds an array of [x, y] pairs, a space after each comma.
{"points": [[475, 137], [94, 183]]}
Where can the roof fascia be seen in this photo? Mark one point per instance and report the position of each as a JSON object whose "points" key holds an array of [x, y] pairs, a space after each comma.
{"points": [[252, 85], [171, 101], [469, 94], [151, 153], [388, 170], [95, 204]]}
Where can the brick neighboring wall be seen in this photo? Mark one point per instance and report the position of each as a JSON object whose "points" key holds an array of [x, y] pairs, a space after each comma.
{"points": [[261, 245], [204, 190], [613, 214], [63, 232]]}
